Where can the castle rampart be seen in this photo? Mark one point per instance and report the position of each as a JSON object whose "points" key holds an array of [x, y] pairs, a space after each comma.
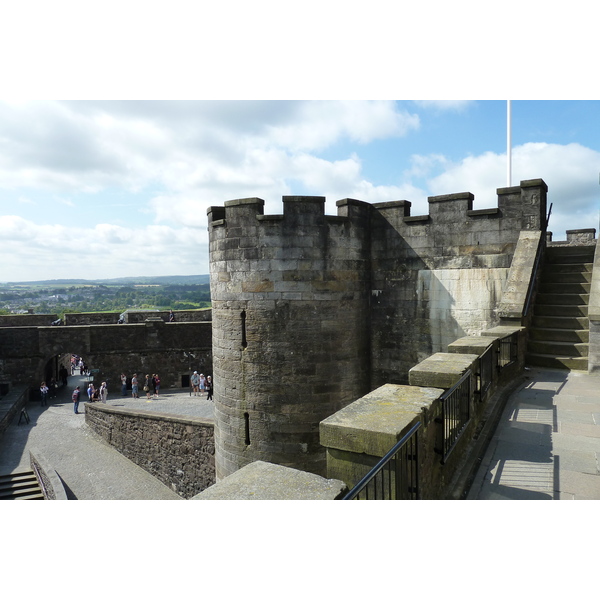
{"points": [[312, 311]]}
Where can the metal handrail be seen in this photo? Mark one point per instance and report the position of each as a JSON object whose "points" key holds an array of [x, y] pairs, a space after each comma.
{"points": [[538, 260], [454, 424], [362, 484]]}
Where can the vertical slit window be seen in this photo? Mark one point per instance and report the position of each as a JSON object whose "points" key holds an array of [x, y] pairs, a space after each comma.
{"points": [[243, 317], [247, 428]]}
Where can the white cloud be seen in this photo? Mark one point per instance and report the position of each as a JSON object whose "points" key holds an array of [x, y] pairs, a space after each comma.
{"points": [[570, 171]]}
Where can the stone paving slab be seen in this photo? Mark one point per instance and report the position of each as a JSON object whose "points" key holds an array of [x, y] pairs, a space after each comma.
{"points": [[547, 444]]}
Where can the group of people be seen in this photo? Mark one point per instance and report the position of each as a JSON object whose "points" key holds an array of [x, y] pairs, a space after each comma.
{"points": [[151, 384], [201, 384], [97, 394], [77, 363], [94, 395]]}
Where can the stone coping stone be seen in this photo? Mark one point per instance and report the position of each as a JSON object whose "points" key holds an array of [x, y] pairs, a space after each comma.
{"points": [[441, 370], [470, 345], [266, 481], [147, 414], [502, 331], [374, 423]]}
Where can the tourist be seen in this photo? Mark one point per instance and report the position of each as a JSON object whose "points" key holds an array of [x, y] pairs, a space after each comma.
{"points": [[156, 385], [63, 374], [44, 394], [171, 317], [147, 386], [202, 383], [209, 388], [103, 392], [134, 386], [90, 392], [195, 381], [123, 385], [96, 395], [75, 397]]}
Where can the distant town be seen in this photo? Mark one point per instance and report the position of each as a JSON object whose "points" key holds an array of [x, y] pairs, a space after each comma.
{"points": [[114, 295]]}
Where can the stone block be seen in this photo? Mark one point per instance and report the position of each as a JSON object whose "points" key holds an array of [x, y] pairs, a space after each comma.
{"points": [[266, 481], [374, 423], [441, 370], [470, 345]]}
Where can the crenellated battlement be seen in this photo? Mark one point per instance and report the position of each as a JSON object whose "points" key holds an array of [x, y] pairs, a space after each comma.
{"points": [[525, 203]]}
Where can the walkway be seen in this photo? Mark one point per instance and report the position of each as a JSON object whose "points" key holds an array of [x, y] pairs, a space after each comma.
{"points": [[89, 467], [547, 444]]}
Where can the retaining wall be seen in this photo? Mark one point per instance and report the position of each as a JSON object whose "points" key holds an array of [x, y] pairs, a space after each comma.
{"points": [[179, 451]]}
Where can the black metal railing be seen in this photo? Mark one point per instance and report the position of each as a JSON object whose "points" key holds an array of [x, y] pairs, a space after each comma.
{"points": [[507, 350], [456, 413], [485, 372], [395, 476]]}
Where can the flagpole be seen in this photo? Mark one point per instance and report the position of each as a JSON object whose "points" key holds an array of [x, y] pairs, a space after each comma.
{"points": [[508, 144]]}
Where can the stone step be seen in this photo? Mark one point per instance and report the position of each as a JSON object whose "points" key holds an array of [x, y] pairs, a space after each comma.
{"points": [[557, 362], [572, 254], [557, 348], [575, 336], [560, 322], [560, 310], [20, 486], [566, 276], [567, 267], [568, 299], [556, 287]]}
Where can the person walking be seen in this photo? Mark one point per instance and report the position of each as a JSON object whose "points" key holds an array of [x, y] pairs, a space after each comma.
{"points": [[147, 386], [75, 398], [123, 385], [202, 383], [134, 386], [195, 381], [90, 392], [103, 392], [156, 385], [44, 394], [209, 388]]}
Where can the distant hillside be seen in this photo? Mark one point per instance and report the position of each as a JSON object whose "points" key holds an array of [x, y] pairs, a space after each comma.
{"points": [[158, 280]]}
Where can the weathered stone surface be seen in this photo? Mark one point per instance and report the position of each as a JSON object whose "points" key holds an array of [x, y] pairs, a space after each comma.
{"points": [[265, 481], [441, 370], [470, 345], [374, 423], [179, 451]]}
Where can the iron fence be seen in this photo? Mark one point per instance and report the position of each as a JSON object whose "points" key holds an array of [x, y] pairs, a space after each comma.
{"points": [[456, 413], [395, 476], [485, 372], [507, 351]]}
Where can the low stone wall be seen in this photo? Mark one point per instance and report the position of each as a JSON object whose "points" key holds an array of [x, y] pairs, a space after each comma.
{"points": [[27, 320], [179, 451], [51, 484]]}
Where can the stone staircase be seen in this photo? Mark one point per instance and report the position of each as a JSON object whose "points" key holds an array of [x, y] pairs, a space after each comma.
{"points": [[20, 486], [559, 334]]}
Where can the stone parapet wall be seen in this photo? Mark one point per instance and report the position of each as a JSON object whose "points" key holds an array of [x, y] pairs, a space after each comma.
{"points": [[150, 347], [27, 320], [179, 451], [594, 316], [359, 435]]}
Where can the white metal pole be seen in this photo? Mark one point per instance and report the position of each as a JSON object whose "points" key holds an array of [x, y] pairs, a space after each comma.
{"points": [[508, 144]]}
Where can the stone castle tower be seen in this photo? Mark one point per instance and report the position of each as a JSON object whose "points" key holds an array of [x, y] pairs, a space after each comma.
{"points": [[312, 311]]}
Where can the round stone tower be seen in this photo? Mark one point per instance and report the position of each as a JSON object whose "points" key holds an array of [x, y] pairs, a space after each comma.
{"points": [[290, 310]]}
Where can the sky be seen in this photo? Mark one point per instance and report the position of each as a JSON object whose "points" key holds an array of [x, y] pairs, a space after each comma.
{"points": [[101, 189]]}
